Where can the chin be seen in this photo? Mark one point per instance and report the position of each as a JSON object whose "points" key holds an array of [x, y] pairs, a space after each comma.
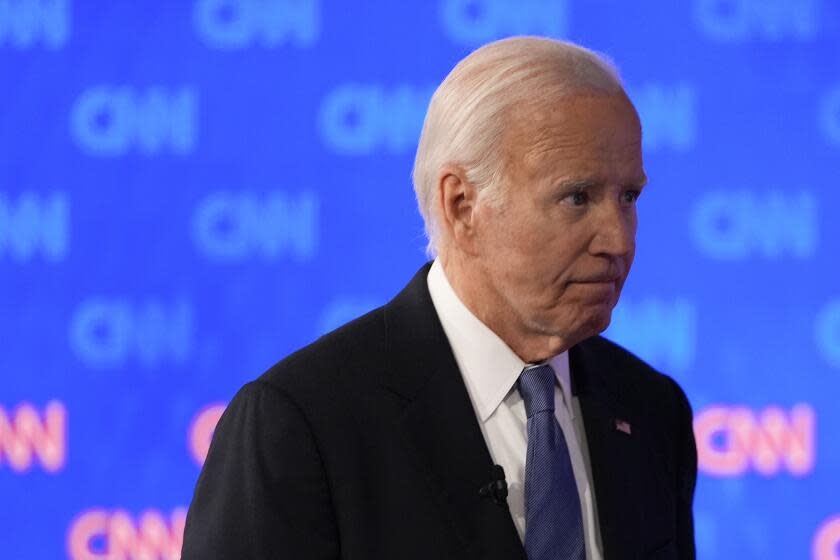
{"points": [[572, 323], [602, 324], [594, 321]]}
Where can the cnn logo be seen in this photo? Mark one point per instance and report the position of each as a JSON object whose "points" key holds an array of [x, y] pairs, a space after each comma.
{"points": [[826, 544], [101, 535], [28, 437], [732, 440]]}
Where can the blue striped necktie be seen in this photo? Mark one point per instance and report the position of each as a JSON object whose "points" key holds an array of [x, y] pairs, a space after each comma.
{"points": [[553, 521]]}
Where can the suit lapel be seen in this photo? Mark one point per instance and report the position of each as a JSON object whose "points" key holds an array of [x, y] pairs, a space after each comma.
{"points": [[614, 454], [444, 438], [442, 431]]}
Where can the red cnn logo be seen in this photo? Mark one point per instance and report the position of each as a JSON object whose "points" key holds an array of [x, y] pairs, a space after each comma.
{"points": [[25, 437], [201, 431], [100, 535], [734, 439], [827, 540]]}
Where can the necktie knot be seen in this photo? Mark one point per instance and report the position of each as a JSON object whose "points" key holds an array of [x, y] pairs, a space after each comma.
{"points": [[536, 385]]}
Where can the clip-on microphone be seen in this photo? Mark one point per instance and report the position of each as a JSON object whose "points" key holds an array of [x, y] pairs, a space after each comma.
{"points": [[497, 489]]}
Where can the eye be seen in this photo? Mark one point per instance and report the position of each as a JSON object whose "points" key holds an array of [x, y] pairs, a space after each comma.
{"points": [[630, 197], [578, 198]]}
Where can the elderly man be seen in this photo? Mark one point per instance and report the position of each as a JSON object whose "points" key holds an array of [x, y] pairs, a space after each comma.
{"points": [[477, 414]]}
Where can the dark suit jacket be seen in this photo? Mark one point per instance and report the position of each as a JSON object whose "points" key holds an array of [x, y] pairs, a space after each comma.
{"points": [[364, 445]]}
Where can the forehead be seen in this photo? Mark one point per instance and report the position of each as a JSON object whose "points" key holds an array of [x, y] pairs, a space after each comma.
{"points": [[583, 134]]}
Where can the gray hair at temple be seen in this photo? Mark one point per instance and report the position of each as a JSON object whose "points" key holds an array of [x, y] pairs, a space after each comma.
{"points": [[470, 110]]}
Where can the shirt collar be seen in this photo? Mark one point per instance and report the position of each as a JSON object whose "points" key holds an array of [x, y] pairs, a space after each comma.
{"points": [[488, 365]]}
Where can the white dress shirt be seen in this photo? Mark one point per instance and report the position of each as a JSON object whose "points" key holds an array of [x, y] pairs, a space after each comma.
{"points": [[490, 370]]}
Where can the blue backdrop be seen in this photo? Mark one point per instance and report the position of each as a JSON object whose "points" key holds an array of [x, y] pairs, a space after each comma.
{"points": [[190, 190]]}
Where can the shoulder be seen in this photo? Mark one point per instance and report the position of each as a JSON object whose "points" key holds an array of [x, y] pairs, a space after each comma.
{"points": [[652, 399], [630, 378], [349, 355]]}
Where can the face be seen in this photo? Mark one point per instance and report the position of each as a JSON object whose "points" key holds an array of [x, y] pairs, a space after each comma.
{"points": [[557, 249]]}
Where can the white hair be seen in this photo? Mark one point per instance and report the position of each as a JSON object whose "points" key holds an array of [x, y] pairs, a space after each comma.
{"points": [[469, 111]]}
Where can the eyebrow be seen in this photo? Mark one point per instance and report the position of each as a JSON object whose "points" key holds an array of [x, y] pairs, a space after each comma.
{"points": [[583, 184]]}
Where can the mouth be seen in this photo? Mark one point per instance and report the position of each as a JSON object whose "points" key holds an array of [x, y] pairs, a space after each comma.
{"points": [[597, 280]]}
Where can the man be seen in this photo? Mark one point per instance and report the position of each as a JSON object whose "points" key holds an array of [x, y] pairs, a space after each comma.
{"points": [[380, 439]]}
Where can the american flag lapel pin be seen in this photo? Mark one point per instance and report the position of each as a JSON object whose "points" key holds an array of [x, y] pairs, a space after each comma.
{"points": [[622, 426]]}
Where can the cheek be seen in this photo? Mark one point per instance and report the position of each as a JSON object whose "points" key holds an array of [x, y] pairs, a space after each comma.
{"points": [[509, 240], [529, 257], [546, 259]]}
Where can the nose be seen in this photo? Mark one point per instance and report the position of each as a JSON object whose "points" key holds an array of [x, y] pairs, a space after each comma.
{"points": [[615, 232]]}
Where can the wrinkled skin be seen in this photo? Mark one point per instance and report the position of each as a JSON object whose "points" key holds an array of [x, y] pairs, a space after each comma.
{"points": [[544, 266]]}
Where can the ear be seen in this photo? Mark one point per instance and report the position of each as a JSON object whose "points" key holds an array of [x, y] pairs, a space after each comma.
{"points": [[457, 208]]}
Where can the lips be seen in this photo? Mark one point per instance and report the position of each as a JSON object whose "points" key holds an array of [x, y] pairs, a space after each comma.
{"points": [[597, 280]]}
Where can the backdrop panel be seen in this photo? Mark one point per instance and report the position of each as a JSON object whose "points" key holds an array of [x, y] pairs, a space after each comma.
{"points": [[189, 191]]}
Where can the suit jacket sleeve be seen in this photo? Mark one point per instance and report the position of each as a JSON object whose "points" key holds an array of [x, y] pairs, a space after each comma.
{"points": [[686, 475], [262, 492]]}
